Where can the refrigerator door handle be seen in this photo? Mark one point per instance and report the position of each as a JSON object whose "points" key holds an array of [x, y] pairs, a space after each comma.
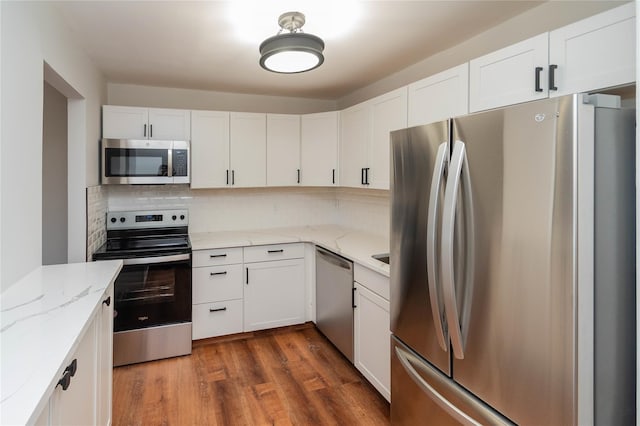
{"points": [[458, 167], [435, 293]]}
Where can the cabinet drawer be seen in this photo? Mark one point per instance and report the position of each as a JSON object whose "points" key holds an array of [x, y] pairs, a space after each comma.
{"points": [[215, 283], [213, 257], [374, 281], [273, 252], [217, 319]]}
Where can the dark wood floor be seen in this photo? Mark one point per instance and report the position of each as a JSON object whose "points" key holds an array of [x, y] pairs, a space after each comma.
{"points": [[290, 376]]}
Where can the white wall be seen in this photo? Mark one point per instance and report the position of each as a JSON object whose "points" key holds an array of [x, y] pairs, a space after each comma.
{"points": [[162, 97], [31, 34]]}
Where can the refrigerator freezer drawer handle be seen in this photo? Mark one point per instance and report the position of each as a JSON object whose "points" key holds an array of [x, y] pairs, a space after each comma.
{"points": [[457, 168], [435, 295], [485, 415]]}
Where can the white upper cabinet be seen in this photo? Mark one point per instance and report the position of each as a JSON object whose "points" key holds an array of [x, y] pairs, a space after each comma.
{"points": [[594, 53], [283, 150], [364, 139], [355, 133], [120, 122], [591, 54], [514, 74], [439, 96], [389, 113], [319, 149], [209, 149], [248, 149]]}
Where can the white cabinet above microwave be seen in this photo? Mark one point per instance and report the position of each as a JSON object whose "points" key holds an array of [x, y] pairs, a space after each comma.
{"points": [[123, 122]]}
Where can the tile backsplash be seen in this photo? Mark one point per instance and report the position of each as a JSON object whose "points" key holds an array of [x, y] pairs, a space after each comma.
{"points": [[260, 208], [97, 203]]}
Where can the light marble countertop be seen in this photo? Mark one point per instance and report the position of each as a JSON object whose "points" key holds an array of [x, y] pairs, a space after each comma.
{"points": [[42, 319], [352, 244]]}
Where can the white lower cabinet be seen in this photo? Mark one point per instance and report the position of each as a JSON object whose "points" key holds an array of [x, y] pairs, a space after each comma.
{"points": [[371, 339], [105, 360], [274, 294], [76, 405], [217, 318]]}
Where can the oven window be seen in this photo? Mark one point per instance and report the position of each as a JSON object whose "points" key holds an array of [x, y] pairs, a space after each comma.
{"points": [[124, 162], [153, 294]]}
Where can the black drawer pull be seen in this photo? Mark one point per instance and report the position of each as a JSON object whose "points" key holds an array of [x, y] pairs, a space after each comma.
{"points": [[107, 301], [275, 251], [218, 273], [212, 256], [218, 309]]}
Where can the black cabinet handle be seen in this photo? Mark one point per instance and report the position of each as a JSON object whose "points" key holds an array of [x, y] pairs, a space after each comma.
{"points": [[227, 176], [212, 256], [247, 275], [65, 381], [552, 77], [333, 176], [218, 309], [150, 130], [275, 251], [353, 298], [362, 176], [218, 273], [107, 301], [72, 368], [538, 71], [366, 176], [298, 175], [233, 177], [144, 132]]}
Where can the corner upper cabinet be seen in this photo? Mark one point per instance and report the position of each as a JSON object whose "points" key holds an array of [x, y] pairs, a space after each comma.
{"points": [[122, 122], [594, 53], [248, 162], [514, 74], [319, 149], [209, 149], [439, 96], [283, 150]]}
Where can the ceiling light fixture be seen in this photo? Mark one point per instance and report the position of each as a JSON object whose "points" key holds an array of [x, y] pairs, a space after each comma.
{"points": [[292, 52]]}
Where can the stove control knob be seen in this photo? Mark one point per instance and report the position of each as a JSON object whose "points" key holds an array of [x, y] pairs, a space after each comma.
{"points": [[173, 217], [181, 217], [113, 220], [122, 219]]}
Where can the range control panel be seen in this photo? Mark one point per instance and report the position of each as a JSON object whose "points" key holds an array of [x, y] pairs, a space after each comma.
{"points": [[147, 219]]}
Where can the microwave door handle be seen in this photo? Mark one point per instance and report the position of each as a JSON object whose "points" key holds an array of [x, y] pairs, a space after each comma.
{"points": [[435, 293], [170, 162]]}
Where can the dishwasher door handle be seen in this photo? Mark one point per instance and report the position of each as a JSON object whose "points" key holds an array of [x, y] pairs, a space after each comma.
{"points": [[334, 259]]}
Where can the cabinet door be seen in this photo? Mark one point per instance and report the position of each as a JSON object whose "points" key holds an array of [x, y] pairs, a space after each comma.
{"points": [[248, 149], [273, 294], [594, 53], [372, 339], [169, 124], [105, 360], [283, 150], [439, 96], [355, 134], [319, 149], [508, 76], [77, 404], [209, 149], [120, 122], [389, 112]]}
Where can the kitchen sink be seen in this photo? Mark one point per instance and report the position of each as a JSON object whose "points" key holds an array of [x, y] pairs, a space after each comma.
{"points": [[383, 257]]}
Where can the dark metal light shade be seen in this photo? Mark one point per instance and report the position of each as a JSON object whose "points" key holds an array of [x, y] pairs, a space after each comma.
{"points": [[291, 53]]}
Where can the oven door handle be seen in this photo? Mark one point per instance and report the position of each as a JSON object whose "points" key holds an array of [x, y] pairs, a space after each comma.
{"points": [[156, 259]]}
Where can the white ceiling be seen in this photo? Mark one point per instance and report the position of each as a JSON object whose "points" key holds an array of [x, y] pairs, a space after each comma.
{"points": [[202, 45]]}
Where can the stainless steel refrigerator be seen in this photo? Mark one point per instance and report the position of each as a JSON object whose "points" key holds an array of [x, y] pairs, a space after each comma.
{"points": [[513, 266]]}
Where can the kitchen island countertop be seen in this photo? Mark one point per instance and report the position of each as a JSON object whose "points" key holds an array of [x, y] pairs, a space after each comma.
{"points": [[355, 245], [43, 317]]}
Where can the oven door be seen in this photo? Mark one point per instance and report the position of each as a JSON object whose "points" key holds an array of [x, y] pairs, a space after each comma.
{"points": [[153, 291], [127, 161]]}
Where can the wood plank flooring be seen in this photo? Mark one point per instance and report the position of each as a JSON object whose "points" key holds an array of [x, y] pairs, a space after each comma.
{"points": [[288, 376]]}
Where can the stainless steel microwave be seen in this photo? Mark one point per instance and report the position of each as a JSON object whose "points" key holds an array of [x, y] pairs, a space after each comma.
{"points": [[135, 161]]}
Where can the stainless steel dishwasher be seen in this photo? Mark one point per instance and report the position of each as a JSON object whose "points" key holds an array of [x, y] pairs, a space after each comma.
{"points": [[334, 299]]}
